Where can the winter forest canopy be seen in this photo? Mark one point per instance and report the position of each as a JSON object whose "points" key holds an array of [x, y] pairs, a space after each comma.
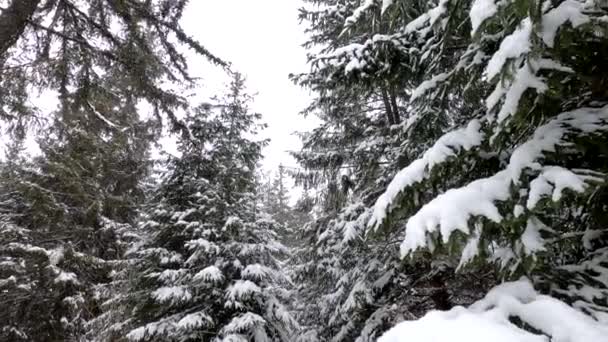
{"points": [[454, 189]]}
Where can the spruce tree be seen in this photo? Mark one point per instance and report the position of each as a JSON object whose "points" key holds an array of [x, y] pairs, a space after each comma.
{"points": [[511, 184], [60, 45], [275, 203], [278, 197], [364, 74], [524, 152], [208, 269], [72, 211]]}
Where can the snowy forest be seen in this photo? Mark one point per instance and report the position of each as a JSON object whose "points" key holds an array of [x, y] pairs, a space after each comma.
{"points": [[455, 189]]}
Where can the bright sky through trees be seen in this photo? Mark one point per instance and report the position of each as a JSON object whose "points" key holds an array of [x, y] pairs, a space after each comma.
{"points": [[262, 39]]}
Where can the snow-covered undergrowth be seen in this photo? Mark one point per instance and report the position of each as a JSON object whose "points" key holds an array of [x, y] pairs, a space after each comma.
{"points": [[493, 319]]}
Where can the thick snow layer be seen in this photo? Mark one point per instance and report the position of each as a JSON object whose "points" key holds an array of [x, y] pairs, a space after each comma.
{"points": [[366, 6], [458, 325], [480, 11], [553, 180], [447, 146], [471, 249], [203, 245], [66, 277], [210, 274], [524, 78], [171, 294], [531, 239], [513, 46], [428, 85], [452, 210], [488, 320], [429, 17], [242, 289], [151, 329], [568, 11], [256, 272], [195, 320], [386, 4], [243, 323]]}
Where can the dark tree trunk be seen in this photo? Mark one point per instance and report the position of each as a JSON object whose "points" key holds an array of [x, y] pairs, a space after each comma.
{"points": [[440, 296], [393, 97], [13, 21], [388, 107]]}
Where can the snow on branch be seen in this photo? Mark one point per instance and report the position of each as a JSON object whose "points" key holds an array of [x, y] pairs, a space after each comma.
{"points": [[589, 295], [452, 210], [256, 272], [159, 328], [431, 17], [244, 323], [103, 118], [524, 78], [568, 11], [242, 289], [172, 294], [480, 11], [386, 4], [358, 56], [429, 85], [447, 146], [490, 319], [210, 274], [195, 321], [519, 42], [358, 13]]}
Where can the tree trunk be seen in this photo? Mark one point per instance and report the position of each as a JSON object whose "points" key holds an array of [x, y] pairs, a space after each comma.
{"points": [[393, 97], [388, 107], [13, 21]]}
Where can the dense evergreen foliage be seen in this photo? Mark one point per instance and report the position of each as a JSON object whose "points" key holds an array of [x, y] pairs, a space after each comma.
{"points": [[457, 180], [69, 46], [68, 215], [512, 186], [208, 269]]}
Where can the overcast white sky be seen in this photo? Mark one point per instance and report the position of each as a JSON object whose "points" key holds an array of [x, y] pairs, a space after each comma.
{"points": [[262, 39]]}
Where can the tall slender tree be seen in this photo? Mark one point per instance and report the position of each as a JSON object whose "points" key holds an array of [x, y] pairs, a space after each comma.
{"points": [[208, 269], [70, 213]]}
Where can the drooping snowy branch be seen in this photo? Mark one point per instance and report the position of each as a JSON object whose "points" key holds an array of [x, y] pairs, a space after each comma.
{"points": [[447, 146], [452, 210]]}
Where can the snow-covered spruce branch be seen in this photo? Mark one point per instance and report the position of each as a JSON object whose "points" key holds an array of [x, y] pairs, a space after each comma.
{"points": [[452, 210]]}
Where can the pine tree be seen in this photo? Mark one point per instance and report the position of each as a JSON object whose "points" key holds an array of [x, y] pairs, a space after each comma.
{"points": [[60, 45], [70, 213], [278, 198], [364, 75], [514, 186], [208, 269], [528, 143], [275, 203]]}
